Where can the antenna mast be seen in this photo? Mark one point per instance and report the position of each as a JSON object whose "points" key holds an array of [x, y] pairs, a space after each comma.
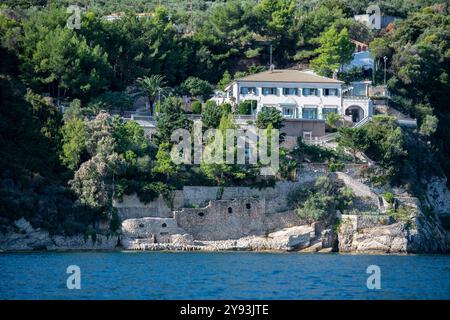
{"points": [[271, 67]]}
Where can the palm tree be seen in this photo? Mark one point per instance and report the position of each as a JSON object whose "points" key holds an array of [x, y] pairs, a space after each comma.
{"points": [[151, 87]]}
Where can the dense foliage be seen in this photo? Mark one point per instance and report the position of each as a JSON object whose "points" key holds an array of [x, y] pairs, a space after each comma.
{"points": [[321, 201], [62, 173]]}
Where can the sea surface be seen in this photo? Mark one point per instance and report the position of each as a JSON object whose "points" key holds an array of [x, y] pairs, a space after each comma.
{"points": [[230, 275]]}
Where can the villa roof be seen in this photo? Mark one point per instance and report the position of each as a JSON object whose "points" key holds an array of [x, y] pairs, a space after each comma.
{"points": [[287, 75]]}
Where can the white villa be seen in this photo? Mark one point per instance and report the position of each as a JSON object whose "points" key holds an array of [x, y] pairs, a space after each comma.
{"points": [[303, 98], [298, 95]]}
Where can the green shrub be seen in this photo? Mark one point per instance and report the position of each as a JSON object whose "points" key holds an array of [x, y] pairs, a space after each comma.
{"points": [[245, 107], [389, 197], [334, 166], [121, 188], [269, 115], [316, 153], [148, 192], [211, 114], [316, 208], [196, 107], [226, 108], [112, 101], [320, 201], [400, 214]]}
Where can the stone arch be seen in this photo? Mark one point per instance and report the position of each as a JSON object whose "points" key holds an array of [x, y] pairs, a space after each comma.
{"points": [[355, 112]]}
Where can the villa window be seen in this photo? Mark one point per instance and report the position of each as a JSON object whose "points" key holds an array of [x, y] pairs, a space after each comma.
{"points": [[290, 91], [327, 111], [248, 90], [269, 91], [310, 92], [309, 113], [331, 92], [288, 112]]}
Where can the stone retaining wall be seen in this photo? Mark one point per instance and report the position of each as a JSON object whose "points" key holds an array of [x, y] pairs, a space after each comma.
{"points": [[358, 188], [131, 207], [223, 219], [360, 222], [159, 229]]}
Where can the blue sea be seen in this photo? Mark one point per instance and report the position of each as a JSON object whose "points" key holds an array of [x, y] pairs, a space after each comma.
{"points": [[230, 275]]}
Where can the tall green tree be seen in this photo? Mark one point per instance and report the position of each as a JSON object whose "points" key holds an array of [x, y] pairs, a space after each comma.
{"points": [[196, 87], [211, 115], [74, 137], [354, 139], [151, 87], [269, 115], [164, 164], [335, 50], [170, 118]]}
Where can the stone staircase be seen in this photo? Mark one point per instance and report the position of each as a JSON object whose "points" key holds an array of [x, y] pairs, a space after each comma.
{"points": [[321, 141]]}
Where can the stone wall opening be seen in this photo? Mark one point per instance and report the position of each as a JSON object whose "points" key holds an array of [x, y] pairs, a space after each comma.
{"points": [[356, 112]]}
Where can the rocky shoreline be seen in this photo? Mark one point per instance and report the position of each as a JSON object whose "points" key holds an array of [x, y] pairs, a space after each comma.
{"points": [[354, 236], [249, 220]]}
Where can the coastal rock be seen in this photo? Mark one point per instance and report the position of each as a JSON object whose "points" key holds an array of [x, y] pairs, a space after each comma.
{"points": [[24, 237], [80, 242], [386, 239], [291, 238], [27, 238], [428, 236], [182, 239], [365, 236], [23, 225], [288, 239], [438, 195]]}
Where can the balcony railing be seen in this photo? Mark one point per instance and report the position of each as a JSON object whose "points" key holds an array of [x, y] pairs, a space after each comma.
{"points": [[138, 117], [346, 97]]}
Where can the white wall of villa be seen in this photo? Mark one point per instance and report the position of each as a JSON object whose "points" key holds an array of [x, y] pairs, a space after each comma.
{"points": [[296, 99]]}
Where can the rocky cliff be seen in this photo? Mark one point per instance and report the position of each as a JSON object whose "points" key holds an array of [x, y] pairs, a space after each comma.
{"points": [[244, 221], [23, 237]]}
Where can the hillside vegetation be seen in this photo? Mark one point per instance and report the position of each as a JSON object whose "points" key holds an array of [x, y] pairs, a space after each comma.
{"points": [[62, 173]]}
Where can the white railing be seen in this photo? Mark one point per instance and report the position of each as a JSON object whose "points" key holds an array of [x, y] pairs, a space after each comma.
{"points": [[332, 136], [245, 117], [142, 118], [362, 122], [322, 140], [329, 137], [407, 122], [194, 116]]}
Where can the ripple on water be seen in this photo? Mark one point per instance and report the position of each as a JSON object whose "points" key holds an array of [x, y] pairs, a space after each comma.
{"points": [[237, 275]]}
